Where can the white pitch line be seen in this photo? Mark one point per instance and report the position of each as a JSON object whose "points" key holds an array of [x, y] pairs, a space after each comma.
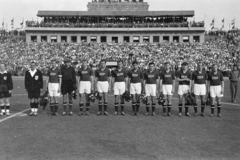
{"points": [[14, 115], [233, 104]]}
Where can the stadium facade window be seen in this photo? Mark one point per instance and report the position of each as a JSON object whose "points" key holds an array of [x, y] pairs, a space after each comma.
{"points": [[53, 38], [103, 39], [93, 39], [196, 38], [115, 39], [73, 39], [156, 39], [83, 39], [33, 38], [63, 39], [176, 39], [185, 38], [126, 39], [166, 38], [146, 39], [43, 38], [136, 39]]}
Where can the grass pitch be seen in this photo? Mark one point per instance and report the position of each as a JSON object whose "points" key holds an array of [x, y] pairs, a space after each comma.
{"points": [[118, 137]]}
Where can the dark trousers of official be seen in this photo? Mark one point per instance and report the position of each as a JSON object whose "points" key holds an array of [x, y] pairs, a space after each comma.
{"points": [[233, 89]]}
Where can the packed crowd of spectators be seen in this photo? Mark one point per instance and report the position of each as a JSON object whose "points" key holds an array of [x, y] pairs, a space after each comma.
{"points": [[114, 22], [17, 54]]}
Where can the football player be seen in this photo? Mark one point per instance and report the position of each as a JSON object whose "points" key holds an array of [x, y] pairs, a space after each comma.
{"points": [[167, 87], [53, 86], [6, 86], [119, 82], [135, 82], [199, 87], [216, 88], [68, 86], [184, 77], [85, 86], [33, 85], [151, 82], [103, 84]]}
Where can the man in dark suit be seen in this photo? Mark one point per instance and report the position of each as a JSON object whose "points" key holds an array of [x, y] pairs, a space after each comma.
{"points": [[34, 86], [6, 86]]}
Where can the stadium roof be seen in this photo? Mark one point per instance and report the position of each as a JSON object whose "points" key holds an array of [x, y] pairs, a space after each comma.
{"points": [[115, 13]]}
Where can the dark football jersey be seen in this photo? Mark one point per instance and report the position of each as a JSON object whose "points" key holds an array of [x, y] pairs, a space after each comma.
{"points": [[182, 75], [54, 75], [136, 77], [215, 79], [151, 77], [167, 77], [103, 75], [199, 78], [119, 75], [85, 74]]}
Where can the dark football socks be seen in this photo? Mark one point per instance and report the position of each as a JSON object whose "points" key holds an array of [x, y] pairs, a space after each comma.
{"points": [[153, 107], [100, 107], [51, 107], [186, 109], [180, 108], [212, 109], [81, 107], [134, 107], [116, 106], [64, 106], [195, 109], [164, 108], [87, 106], [147, 107], [137, 106], [56, 107], [122, 106], [219, 108], [70, 106], [169, 108], [3, 109], [105, 106]]}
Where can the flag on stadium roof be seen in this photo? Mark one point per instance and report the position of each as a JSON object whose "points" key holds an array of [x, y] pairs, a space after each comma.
{"points": [[212, 24], [22, 24], [233, 23], [12, 23]]}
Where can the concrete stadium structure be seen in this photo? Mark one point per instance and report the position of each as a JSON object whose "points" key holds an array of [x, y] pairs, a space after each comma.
{"points": [[115, 21]]}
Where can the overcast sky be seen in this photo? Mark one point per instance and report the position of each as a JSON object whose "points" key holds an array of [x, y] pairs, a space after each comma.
{"points": [[205, 10]]}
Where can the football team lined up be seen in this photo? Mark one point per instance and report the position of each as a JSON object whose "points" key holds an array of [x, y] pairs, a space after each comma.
{"points": [[149, 84]]}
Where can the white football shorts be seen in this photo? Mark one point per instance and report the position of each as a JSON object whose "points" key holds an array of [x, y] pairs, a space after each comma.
{"points": [[102, 87], [135, 88], [119, 88], [150, 89], [53, 89], [199, 89], [215, 91], [167, 89], [85, 87], [183, 89]]}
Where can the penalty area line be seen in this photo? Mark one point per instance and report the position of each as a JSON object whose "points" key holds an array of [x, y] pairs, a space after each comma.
{"points": [[14, 115]]}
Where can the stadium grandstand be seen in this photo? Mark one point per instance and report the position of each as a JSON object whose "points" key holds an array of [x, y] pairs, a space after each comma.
{"points": [[115, 21]]}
